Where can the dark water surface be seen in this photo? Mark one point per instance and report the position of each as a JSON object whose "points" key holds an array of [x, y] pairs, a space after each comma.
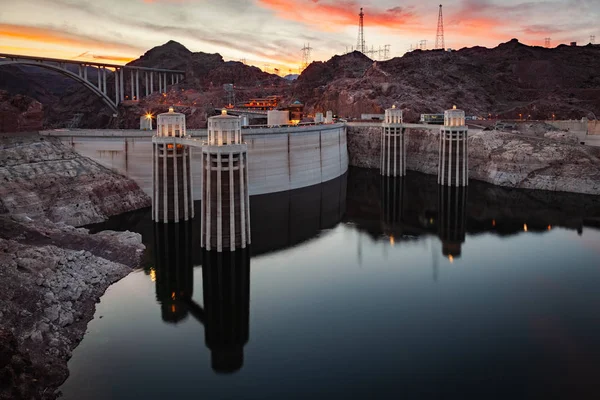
{"points": [[359, 288]]}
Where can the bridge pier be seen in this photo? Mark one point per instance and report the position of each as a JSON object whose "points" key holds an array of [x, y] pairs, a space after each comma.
{"points": [[132, 85], [393, 151], [104, 80], [225, 199], [172, 173], [453, 166], [122, 86], [117, 95]]}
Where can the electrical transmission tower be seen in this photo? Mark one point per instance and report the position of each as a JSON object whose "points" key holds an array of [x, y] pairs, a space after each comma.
{"points": [[423, 44], [360, 43], [593, 39], [386, 51], [306, 56], [547, 42], [370, 53], [439, 38]]}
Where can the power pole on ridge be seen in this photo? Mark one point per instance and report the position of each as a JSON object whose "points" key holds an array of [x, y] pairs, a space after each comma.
{"points": [[360, 43], [306, 56], [439, 38]]}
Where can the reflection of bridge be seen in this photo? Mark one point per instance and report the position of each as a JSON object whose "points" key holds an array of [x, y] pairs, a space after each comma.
{"points": [[83, 72]]}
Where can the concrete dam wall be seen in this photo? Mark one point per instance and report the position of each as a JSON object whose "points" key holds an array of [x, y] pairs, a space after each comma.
{"points": [[280, 159]]}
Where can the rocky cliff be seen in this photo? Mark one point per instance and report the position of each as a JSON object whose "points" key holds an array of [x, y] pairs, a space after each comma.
{"points": [[502, 159], [41, 177]]}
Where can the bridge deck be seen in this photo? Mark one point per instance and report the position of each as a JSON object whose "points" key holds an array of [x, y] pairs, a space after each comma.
{"points": [[79, 62]]}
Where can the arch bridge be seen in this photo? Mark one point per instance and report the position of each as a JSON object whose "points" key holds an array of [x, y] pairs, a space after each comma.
{"points": [[149, 80]]}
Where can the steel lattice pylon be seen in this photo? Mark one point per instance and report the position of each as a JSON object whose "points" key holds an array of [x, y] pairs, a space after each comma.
{"points": [[439, 38], [360, 43]]}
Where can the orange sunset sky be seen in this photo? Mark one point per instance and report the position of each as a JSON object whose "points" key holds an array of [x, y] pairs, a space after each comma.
{"points": [[270, 33]]}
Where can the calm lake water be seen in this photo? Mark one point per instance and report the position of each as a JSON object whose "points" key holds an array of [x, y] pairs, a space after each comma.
{"points": [[359, 288]]}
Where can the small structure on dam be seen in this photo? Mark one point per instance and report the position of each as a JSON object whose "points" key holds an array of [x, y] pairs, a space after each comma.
{"points": [[453, 166], [172, 198], [393, 150], [225, 198]]}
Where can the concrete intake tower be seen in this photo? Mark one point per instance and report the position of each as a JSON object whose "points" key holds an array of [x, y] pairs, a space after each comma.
{"points": [[393, 149], [225, 198], [453, 166], [172, 198]]}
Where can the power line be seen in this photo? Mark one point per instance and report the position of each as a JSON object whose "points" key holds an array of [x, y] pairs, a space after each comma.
{"points": [[439, 38]]}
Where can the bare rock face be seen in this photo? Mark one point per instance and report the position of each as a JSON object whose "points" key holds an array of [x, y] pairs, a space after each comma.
{"points": [[502, 159], [20, 113], [534, 163], [41, 177]]}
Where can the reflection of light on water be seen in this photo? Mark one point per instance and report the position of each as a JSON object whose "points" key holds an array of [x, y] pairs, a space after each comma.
{"points": [[525, 227], [392, 240], [152, 274], [450, 258]]}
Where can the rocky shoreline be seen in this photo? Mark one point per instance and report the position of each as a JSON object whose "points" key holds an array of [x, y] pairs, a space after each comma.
{"points": [[51, 273]]}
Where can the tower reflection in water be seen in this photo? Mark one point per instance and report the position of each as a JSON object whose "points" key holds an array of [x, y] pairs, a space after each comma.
{"points": [[226, 292], [392, 206], [405, 215], [452, 219]]}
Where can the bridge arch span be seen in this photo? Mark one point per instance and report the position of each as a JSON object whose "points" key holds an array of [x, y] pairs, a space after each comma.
{"points": [[67, 73]]}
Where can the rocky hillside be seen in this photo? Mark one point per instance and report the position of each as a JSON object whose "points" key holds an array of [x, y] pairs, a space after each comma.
{"points": [[41, 177], [19, 113], [499, 158], [204, 70], [507, 80]]}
